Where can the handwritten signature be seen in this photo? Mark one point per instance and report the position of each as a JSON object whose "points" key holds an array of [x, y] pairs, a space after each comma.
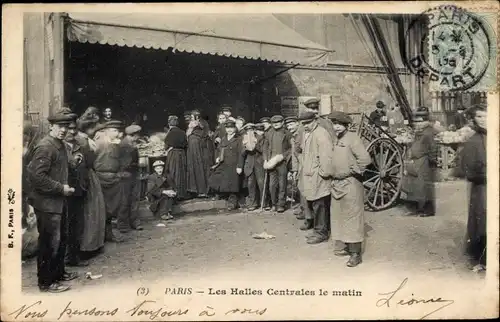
{"points": [[390, 295]]}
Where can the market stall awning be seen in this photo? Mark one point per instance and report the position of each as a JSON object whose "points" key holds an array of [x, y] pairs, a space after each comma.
{"points": [[233, 35]]}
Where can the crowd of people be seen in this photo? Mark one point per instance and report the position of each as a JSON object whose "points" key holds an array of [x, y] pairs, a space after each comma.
{"points": [[84, 174]]}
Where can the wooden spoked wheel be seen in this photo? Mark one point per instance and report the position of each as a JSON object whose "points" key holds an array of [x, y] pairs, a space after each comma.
{"points": [[383, 178]]}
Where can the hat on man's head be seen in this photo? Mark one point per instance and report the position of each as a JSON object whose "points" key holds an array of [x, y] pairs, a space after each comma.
{"points": [[113, 124], [307, 117], [62, 116], [265, 119], [226, 108], [186, 113], [259, 127], [277, 119], [340, 117], [312, 103], [158, 163], [461, 108], [290, 119], [380, 104], [230, 123], [132, 129], [249, 126]]}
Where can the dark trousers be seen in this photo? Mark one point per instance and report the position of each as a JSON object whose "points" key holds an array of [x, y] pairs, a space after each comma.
{"points": [[52, 239], [128, 214], [320, 211], [278, 183], [255, 187], [75, 226], [164, 206], [350, 247], [307, 212], [476, 249]]}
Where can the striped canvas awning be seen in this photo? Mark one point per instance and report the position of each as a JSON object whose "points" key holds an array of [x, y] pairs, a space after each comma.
{"points": [[247, 36]]}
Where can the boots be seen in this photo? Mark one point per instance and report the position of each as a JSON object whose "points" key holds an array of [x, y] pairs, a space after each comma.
{"points": [[308, 224], [354, 260]]}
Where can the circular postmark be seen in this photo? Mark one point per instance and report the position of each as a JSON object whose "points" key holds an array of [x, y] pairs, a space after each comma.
{"points": [[448, 46]]}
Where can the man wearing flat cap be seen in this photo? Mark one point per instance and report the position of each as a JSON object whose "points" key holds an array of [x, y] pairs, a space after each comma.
{"points": [[315, 179], [253, 165], [419, 175], [176, 144], [312, 105], [161, 191], [379, 116], [292, 125], [347, 191], [266, 122], [108, 166], [48, 174], [275, 152], [128, 216], [226, 110]]}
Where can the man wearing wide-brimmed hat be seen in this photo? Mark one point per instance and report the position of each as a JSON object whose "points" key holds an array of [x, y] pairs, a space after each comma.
{"points": [[48, 174], [107, 166]]}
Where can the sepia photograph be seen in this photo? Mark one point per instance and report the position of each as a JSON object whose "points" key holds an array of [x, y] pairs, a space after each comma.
{"points": [[258, 162]]}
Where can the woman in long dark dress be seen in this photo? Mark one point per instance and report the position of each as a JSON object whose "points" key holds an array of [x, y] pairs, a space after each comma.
{"points": [[474, 167], [176, 162], [197, 164], [226, 178]]}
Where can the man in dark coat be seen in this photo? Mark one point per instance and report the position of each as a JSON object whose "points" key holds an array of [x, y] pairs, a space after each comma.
{"points": [[474, 164], [253, 165], [107, 166], [78, 178], [225, 178], [129, 212], [161, 191], [176, 163], [460, 119], [419, 175], [48, 174], [275, 152], [379, 116]]}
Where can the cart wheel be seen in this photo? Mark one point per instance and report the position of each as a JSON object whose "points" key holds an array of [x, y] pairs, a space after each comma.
{"points": [[383, 178]]}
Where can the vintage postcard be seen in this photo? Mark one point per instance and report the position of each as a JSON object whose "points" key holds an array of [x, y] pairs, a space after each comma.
{"points": [[250, 161]]}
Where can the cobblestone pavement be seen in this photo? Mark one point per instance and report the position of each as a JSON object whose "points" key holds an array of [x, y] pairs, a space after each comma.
{"points": [[196, 246]]}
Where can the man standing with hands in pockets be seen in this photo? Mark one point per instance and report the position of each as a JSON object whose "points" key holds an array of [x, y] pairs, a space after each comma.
{"points": [[48, 173]]}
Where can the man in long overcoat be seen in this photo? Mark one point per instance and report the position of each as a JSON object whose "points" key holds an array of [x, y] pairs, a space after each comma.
{"points": [[317, 170], [419, 175], [347, 206], [48, 175], [474, 164], [226, 177]]}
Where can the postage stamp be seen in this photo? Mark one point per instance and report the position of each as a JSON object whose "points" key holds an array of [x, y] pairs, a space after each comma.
{"points": [[458, 49], [250, 161]]}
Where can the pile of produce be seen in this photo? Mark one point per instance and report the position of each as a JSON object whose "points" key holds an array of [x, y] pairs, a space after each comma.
{"points": [[404, 135], [154, 146], [459, 136]]}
